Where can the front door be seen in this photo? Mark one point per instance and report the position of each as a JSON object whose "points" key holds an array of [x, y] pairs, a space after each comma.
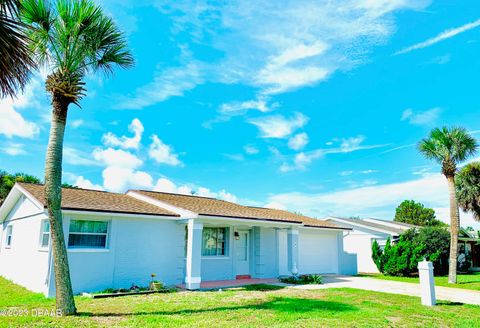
{"points": [[242, 254]]}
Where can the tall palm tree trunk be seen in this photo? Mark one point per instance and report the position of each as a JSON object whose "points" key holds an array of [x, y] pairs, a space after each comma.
{"points": [[454, 227], [53, 195]]}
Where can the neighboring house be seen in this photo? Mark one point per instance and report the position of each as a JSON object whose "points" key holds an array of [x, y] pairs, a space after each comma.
{"points": [[359, 240], [364, 231], [469, 243], [116, 240]]}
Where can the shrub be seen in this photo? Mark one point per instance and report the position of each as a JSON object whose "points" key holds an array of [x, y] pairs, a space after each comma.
{"points": [[304, 279], [401, 259]]}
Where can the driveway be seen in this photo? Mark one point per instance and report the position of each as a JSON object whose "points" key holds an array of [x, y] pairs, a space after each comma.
{"points": [[395, 287]]}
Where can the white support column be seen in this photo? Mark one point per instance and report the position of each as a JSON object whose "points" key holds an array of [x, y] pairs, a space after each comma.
{"points": [[427, 284], [194, 255], [293, 251]]}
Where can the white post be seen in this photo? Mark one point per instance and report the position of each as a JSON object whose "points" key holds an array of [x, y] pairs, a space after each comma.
{"points": [[427, 284], [194, 255], [293, 250]]}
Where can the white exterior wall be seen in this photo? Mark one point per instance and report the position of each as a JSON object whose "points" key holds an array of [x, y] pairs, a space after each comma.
{"points": [[136, 248], [318, 251], [24, 263], [360, 243]]}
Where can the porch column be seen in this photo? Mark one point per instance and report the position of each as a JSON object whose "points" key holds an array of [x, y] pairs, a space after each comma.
{"points": [[194, 255], [293, 251]]}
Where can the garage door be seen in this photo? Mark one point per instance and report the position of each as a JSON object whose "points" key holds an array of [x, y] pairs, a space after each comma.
{"points": [[317, 252]]}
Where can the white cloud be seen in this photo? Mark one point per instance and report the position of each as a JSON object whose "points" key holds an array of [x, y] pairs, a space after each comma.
{"points": [[370, 201], [427, 117], [260, 104], [81, 182], [250, 150], [136, 127], [346, 145], [447, 34], [298, 141], [76, 123], [167, 83], [279, 46], [222, 194], [119, 179], [166, 185], [14, 149], [345, 173], [75, 157], [350, 144], [117, 158], [228, 110], [369, 171], [350, 172], [12, 123], [162, 153], [276, 206], [278, 126]]}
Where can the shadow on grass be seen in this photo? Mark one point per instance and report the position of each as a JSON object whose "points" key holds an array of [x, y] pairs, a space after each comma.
{"points": [[279, 304], [262, 287], [447, 303]]}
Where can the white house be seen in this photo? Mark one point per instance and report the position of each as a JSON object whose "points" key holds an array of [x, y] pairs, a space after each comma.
{"points": [[363, 232], [116, 240]]}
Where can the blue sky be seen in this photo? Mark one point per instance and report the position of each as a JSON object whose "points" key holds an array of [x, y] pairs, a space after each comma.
{"points": [[313, 106]]}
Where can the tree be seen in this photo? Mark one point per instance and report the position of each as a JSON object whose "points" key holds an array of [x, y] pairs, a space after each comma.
{"points": [[15, 59], [449, 146], [467, 183], [7, 181], [415, 213], [72, 38]]}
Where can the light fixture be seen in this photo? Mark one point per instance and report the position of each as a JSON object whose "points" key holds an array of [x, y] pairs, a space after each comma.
{"points": [[237, 235]]}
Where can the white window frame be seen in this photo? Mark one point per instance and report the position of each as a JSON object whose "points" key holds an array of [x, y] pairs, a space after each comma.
{"points": [[8, 236], [226, 241], [42, 233], [90, 248]]}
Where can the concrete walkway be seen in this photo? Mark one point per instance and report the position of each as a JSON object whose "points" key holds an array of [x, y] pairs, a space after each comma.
{"points": [[395, 287]]}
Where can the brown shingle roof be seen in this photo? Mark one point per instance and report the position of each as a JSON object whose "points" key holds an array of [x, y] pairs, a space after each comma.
{"points": [[101, 201], [215, 207]]}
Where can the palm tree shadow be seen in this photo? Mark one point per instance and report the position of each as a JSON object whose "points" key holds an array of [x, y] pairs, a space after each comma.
{"points": [[280, 304]]}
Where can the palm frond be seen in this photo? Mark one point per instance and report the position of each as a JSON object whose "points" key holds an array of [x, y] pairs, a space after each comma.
{"points": [[467, 183], [448, 146], [16, 62], [75, 37]]}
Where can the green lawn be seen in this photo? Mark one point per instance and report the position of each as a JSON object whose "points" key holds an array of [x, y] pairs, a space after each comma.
{"points": [[464, 281], [243, 307]]}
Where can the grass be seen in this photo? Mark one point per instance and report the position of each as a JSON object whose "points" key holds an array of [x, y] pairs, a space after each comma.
{"points": [[243, 307], [464, 281]]}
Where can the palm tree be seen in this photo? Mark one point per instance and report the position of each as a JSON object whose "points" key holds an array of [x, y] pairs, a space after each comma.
{"points": [[467, 183], [15, 59], [449, 146], [71, 38]]}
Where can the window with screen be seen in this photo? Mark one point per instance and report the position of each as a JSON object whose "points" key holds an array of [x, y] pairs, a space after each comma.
{"points": [[88, 234]]}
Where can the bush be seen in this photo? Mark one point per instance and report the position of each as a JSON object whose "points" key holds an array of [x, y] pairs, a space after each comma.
{"points": [[401, 259], [304, 279]]}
